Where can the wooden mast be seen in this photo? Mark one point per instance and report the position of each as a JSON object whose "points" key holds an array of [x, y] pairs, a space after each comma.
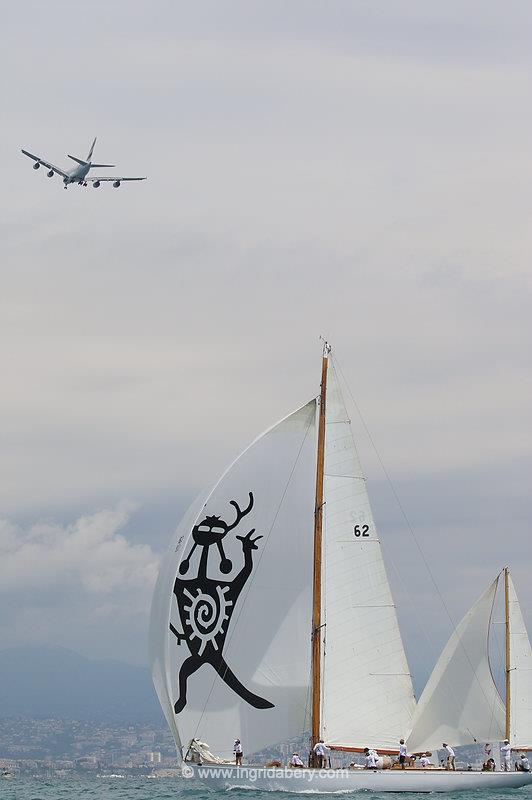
{"points": [[318, 525], [507, 628]]}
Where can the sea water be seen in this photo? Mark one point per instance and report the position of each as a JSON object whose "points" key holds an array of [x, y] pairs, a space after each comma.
{"points": [[130, 788]]}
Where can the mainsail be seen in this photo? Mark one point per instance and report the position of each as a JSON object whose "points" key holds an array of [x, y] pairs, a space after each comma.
{"points": [[460, 703], [367, 694], [520, 675], [230, 627]]}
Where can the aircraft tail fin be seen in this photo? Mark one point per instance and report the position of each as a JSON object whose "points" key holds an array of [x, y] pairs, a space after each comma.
{"points": [[79, 160], [92, 148]]}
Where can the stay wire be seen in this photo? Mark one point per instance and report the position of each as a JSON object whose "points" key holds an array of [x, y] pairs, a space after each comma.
{"points": [[409, 525], [496, 694]]}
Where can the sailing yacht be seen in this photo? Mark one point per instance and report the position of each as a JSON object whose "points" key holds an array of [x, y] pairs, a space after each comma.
{"points": [[273, 618]]}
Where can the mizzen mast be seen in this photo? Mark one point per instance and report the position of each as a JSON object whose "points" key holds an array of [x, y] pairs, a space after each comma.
{"points": [[316, 589]]}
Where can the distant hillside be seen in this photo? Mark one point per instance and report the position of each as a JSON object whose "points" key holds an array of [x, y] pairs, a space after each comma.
{"points": [[38, 681]]}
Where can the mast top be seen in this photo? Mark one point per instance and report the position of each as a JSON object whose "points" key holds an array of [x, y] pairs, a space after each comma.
{"points": [[326, 347]]}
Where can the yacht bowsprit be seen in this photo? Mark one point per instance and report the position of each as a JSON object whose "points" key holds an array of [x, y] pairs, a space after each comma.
{"points": [[273, 616]]}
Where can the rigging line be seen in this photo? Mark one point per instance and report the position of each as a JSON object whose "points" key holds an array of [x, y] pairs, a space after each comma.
{"points": [[391, 561], [407, 520], [495, 639], [496, 693], [263, 550], [500, 658], [306, 717], [393, 489]]}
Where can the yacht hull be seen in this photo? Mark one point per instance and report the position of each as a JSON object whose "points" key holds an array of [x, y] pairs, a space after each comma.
{"points": [[343, 780]]}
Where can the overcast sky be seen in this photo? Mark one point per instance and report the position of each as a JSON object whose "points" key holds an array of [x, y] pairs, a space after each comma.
{"points": [[355, 169]]}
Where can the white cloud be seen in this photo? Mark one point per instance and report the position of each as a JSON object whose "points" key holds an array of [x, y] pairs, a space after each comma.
{"points": [[81, 585]]}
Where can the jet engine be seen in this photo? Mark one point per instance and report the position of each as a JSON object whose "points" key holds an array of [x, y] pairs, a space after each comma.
{"points": [[50, 174], [36, 165], [116, 184], [96, 184]]}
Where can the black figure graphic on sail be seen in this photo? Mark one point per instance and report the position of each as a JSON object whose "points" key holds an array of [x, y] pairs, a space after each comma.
{"points": [[206, 605]]}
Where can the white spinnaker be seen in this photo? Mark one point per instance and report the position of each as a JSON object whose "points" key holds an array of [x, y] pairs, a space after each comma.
{"points": [[460, 703], [520, 675], [367, 695], [267, 644]]}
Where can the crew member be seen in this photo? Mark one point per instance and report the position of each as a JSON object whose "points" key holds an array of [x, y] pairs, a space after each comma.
{"points": [[450, 756], [523, 765], [295, 761], [372, 758], [506, 753], [402, 753], [319, 753], [237, 750]]}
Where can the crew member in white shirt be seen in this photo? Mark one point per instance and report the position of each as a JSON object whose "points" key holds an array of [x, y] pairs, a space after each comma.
{"points": [[506, 753], [295, 761], [450, 756], [319, 752], [402, 753], [237, 750], [372, 758], [425, 760], [523, 764]]}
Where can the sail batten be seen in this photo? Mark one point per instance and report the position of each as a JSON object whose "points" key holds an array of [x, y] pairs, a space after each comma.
{"points": [[367, 695]]}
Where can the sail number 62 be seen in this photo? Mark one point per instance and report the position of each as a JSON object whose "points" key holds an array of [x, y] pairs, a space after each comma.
{"points": [[361, 530]]}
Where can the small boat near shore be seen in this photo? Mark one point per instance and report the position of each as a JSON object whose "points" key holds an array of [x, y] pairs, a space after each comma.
{"points": [[273, 619]]}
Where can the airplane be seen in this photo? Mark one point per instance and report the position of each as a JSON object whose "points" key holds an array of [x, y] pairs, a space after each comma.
{"points": [[79, 175]]}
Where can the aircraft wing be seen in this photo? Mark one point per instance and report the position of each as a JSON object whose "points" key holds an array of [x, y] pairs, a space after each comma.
{"points": [[99, 179], [46, 164]]}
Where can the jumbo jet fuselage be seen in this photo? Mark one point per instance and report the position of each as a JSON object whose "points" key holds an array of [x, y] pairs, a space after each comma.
{"points": [[78, 174]]}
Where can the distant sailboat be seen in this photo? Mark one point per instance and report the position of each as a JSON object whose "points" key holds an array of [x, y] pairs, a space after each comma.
{"points": [[273, 607]]}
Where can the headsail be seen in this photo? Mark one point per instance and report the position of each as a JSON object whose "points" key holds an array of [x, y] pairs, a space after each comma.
{"points": [[460, 703], [367, 695], [230, 629], [520, 675]]}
